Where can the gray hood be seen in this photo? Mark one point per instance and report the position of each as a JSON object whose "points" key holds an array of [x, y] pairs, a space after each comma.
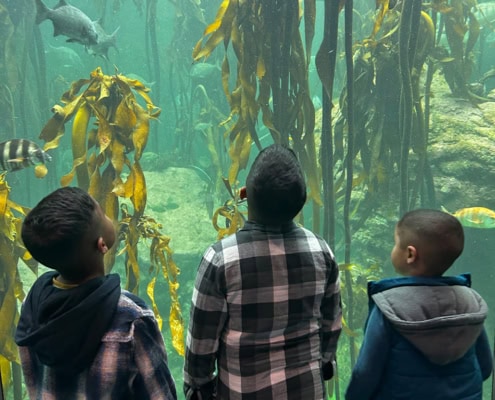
{"points": [[442, 322]]}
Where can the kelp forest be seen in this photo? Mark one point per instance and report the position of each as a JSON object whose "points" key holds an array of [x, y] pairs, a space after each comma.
{"points": [[362, 90]]}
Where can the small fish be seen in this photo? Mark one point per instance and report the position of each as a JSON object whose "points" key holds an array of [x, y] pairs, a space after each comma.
{"points": [[68, 21], [105, 41], [17, 154], [202, 126], [475, 217], [63, 56], [203, 70], [485, 14]]}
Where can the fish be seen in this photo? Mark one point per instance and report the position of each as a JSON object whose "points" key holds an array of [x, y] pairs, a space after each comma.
{"points": [[63, 56], [104, 43], [202, 126], [475, 217], [68, 21], [203, 70], [17, 154], [485, 15]]}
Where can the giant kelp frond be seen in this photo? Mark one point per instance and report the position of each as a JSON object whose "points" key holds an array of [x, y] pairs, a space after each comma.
{"points": [[110, 129], [462, 29], [357, 277], [271, 77], [232, 212], [209, 121], [383, 8], [234, 219], [11, 290], [8, 62], [161, 265], [376, 63]]}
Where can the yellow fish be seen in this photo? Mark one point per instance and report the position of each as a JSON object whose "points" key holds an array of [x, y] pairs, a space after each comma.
{"points": [[476, 217]]}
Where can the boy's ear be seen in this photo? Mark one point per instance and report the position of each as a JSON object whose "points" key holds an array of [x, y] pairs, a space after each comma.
{"points": [[102, 246], [412, 254]]}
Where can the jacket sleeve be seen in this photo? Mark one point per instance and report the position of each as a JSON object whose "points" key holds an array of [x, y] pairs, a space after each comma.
{"points": [[154, 380], [331, 311], [484, 355], [372, 359], [207, 318]]}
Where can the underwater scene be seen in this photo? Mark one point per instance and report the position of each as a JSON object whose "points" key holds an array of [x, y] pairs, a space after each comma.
{"points": [[157, 108]]}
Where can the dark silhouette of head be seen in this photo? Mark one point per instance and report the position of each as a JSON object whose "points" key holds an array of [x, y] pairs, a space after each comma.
{"points": [[275, 186], [68, 231], [437, 236]]}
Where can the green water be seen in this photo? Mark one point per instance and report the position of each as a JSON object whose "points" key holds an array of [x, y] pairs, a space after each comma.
{"points": [[178, 165]]}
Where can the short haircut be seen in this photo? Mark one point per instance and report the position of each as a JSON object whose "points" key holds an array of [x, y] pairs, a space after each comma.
{"points": [[275, 185], [437, 235], [54, 228]]}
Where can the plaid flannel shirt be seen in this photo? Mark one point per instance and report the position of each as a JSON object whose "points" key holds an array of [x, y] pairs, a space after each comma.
{"points": [[131, 363], [265, 315]]}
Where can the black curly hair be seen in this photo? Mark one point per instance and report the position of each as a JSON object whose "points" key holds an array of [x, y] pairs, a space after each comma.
{"points": [[53, 228], [275, 186]]}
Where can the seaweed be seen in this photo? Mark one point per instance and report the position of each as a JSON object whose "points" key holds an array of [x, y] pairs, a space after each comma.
{"points": [[106, 163], [271, 80]]}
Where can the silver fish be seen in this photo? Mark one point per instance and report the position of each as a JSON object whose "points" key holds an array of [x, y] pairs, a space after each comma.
{"points": [[105, 41], [63, 55], [485, 14], [17, 154], [203, 70], [68, 21]]}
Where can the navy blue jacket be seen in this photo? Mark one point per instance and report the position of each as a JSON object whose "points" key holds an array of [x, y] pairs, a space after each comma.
{"points": [[424, 339]]}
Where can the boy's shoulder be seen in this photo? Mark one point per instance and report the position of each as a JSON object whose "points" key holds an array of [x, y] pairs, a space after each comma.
{"points": [[130, 309], [133, 306]]}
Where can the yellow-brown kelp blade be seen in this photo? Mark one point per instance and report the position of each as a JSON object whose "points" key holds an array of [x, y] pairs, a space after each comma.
{"points": [[109, 123]]}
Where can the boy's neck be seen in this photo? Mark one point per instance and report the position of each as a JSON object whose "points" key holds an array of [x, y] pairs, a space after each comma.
{"points": [[59, 284], [71, 282]]}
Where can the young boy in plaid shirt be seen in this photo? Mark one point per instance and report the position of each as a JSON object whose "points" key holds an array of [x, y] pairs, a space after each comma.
{"points": [[80, 336], [266, 314]]}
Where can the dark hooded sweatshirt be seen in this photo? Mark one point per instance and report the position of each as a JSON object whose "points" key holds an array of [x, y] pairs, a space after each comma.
{"points": [[64, 328]]}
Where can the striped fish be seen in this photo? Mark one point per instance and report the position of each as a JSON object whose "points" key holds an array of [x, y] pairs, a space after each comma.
{"points": [[17, 154]]}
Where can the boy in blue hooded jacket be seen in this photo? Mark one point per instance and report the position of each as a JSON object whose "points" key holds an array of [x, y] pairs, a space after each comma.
{"points": [[424, 337]]}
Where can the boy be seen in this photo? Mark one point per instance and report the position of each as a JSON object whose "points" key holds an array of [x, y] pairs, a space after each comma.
{"points": [[424, 338], [80, 336], [265, 315]]}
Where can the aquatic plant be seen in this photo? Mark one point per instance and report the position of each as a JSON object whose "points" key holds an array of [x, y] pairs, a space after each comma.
{"points": [[462, 30], [152, 52], [209, 123], [271, 79], [234, 216], [390, 55], [379, 119], [9, 75], [12, 251], [101, 156], [188, 23]]}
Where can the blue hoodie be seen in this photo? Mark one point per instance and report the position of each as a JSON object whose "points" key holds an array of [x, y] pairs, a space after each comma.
{"points": [[424, 339]]}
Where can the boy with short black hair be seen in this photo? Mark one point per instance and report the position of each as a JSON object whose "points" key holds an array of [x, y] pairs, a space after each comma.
{"points": [[424, 338], [265, 315], [79, 335]]}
